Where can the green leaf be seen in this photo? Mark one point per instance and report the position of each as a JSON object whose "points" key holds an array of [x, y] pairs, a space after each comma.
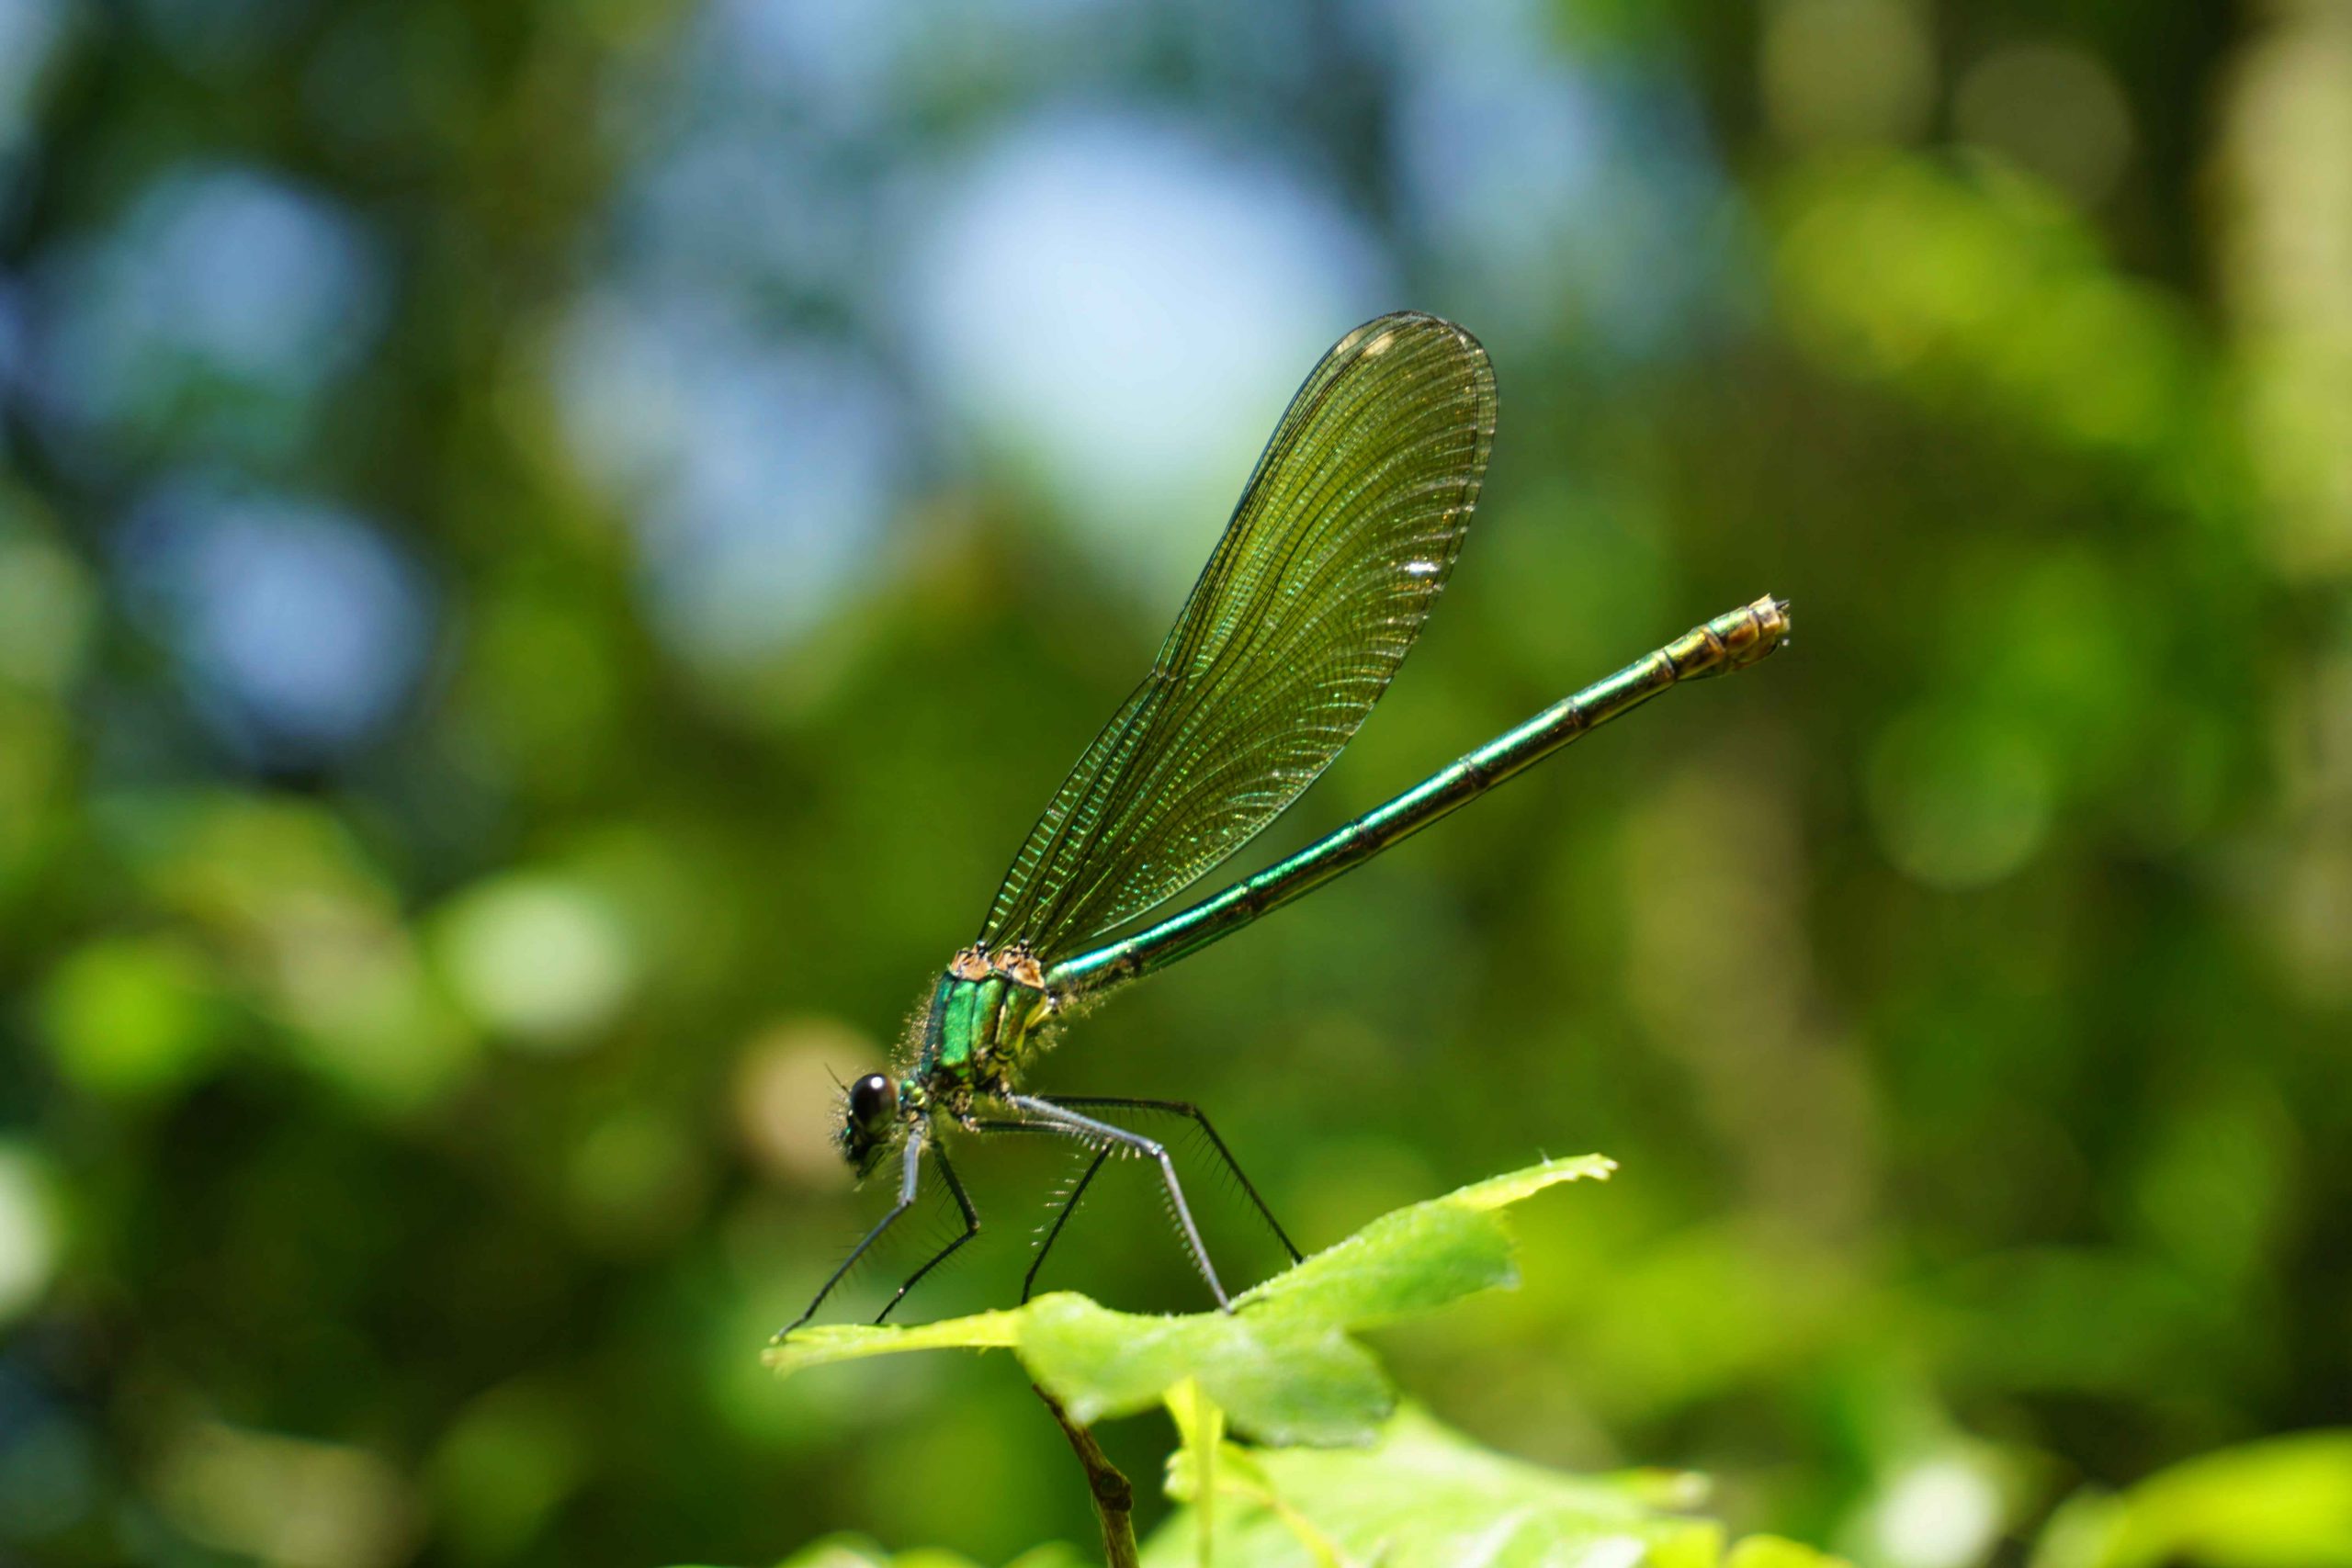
{"points": [[1193, 1468], [1283, 1365], [1237, 1475], [856, 1551], [1281, 1378], [828, 1343], [133, 1015], [1424, 1496], [1776, 1551], [2283, 1503]]}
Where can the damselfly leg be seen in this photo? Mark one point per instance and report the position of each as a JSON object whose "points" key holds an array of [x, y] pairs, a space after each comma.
{"points": [[971, 1229], [1062, 1217], [1200, 1118], [1061, 1118], [1193, 1113], [1087, 1130], [909, 1178]]}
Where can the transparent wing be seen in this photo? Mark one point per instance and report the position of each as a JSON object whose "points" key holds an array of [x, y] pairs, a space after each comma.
{"points": [[1339, 548]]}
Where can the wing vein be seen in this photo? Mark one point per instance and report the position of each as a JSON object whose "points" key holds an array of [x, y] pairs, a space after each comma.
{"points": [[1341, 543]]}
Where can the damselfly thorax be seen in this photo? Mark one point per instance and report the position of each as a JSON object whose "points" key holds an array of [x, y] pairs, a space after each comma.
{"points": [[980, 1024], [978, 1028]]}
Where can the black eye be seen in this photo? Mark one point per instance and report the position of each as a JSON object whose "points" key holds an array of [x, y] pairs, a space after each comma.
{"points": [[871, 1098]]}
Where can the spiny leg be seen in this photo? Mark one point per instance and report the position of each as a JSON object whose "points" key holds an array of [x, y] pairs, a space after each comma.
{"points": [[908, 1178], [1087, 1130], [1068, 1199], [971, 1229], [1061, 1218], [1182, 1108]]}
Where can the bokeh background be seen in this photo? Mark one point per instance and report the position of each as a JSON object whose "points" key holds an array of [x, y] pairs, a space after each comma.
{"points": [[549, 551]]}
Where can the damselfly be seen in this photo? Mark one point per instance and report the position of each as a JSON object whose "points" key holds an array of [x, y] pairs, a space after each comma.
{"points": [[1334, 559]]}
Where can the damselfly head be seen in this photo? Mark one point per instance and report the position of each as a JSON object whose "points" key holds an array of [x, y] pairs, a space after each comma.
{"points": [[870, 1110]]}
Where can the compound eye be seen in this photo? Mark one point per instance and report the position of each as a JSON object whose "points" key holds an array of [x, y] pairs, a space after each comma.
{"points": [[871, 1098]]}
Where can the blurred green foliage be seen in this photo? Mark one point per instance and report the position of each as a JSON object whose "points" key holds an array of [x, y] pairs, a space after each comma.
{"points": [[445, 845]]}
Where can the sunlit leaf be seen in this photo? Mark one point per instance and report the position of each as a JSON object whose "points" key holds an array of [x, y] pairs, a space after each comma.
{"points": [[1776, 1551], [828, 1343], [1424, 1496], [856, 1551], [133, 1015], [2286, 1503], [1283, 1366]]}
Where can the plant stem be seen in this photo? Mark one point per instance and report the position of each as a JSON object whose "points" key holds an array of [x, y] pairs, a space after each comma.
{"points": [[1114, 1499]]}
